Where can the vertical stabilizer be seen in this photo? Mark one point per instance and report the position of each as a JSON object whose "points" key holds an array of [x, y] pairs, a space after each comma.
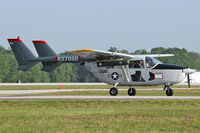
{"points": [[23, 55], [44, 50]]}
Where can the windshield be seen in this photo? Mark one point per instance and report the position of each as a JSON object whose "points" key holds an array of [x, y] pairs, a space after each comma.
{"points": [[151, 62]]}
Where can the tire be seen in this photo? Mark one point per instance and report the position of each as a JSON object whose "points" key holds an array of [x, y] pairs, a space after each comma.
{"points": [[131, 92], [169, 92], [113, 91]]}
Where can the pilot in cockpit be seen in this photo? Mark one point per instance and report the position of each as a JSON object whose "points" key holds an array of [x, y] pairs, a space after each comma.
{"points": [[147, 64], [139, 64]]}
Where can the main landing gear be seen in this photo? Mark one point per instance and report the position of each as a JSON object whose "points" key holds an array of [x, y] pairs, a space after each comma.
{"points": [[114, 91], [169, 91], [131, 91]]}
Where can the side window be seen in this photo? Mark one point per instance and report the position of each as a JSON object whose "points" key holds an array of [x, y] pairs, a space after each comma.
{"points": [[151, 62], [136, 64]]}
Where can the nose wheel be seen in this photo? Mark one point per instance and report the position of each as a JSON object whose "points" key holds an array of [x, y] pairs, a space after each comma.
{"points": [[131, 92], [169, 92], [113, 91]]}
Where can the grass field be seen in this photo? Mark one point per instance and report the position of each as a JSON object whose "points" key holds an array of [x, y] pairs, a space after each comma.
{"points": [[99, 116]]}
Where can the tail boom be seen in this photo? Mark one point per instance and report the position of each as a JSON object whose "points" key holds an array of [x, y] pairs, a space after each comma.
{"points": [[50, 61]]}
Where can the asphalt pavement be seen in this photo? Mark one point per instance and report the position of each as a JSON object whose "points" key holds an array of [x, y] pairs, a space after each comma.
{"points": [[99, 97]]}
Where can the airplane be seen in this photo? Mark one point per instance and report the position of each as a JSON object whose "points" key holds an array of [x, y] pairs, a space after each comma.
{"points": [[113, 68]]}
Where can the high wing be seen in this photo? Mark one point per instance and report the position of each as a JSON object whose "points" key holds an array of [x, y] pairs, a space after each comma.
{"points": [[98, 55]]}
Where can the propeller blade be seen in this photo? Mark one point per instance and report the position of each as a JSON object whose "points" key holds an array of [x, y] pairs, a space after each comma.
{"points": [[188, 77]]}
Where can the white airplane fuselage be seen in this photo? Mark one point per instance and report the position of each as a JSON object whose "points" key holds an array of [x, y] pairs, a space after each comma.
{"points": [[123, 75], [161, 76]]}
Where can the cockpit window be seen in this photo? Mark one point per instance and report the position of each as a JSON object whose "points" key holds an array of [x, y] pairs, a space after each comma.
{"points": [[136, 64], [151, 62]]}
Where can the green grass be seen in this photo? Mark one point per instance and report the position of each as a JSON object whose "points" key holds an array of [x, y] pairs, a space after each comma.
{"points": [[99, 116]]}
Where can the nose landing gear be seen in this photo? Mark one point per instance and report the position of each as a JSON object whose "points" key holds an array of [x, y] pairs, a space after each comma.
{"points": [[169, 91]]}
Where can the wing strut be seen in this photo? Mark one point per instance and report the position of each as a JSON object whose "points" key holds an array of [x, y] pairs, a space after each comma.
{"points": [[125, 73]]}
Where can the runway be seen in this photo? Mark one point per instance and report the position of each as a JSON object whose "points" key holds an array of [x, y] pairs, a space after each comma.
{"points": [[99, 98], [24, 92], [73, 90]]}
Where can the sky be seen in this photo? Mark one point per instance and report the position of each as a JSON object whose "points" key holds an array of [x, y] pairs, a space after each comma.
{"points": [[99, 24]]}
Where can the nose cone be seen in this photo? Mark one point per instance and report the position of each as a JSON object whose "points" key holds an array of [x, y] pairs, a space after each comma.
{"points": [[189, 71]]}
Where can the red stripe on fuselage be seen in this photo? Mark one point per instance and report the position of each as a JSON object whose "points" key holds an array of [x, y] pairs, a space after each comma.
{"points": [[79, 58], [56, 58]]}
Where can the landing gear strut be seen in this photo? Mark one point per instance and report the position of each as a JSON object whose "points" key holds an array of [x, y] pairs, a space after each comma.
{"points": [[169, 91], [131, 92]]}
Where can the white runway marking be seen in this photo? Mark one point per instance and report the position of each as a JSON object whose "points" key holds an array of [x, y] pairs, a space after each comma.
{"points": [[100, 98], [73, 90]]}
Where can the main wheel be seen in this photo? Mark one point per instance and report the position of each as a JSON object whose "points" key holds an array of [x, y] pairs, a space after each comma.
{"points": [[113, 91], [169, 92], [131, 92]]}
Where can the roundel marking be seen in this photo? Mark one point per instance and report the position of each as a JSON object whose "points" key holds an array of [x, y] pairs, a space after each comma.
{"points": [[115, 76]]}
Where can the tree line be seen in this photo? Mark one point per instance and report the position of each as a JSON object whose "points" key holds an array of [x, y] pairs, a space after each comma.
{"points": [[73, 72]]}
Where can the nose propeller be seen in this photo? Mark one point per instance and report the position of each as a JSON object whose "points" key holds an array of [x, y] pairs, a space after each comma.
{"points": [[189, 71], [188, 78]]}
